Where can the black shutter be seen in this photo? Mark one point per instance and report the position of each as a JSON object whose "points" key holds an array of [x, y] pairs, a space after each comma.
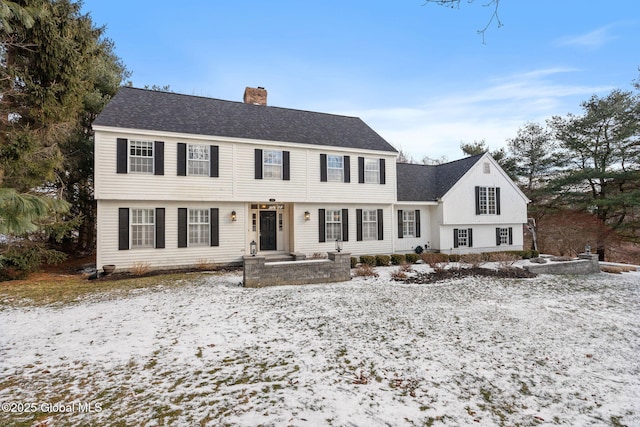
{"points": [[383, 172], [285, 166], [455, 237], [417, 223], [477, 200], [323, 168], [160, 229], [214, 161], [258, 163], [379, 217], [182, 159], [121, 155], [123, 229], [347, 168], [345, 225], [470, 237], [158, 158], [361, 170], [497, 236], [214, 226], [182, 227], [511, 235], [400, 225], [322, 235], [497, 200], [359, 225]]}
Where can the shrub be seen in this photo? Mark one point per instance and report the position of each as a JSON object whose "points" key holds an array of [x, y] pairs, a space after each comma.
{"points": [[419, 249], [399, 274], [205, 264], [397, 259], [411, 258], [432, 259], [454, 258], [318, 255], [504, 259], [365, 270], [474, 260], [369, 260], [140, 268], [383, 260], [17, 260], [354, 262]]}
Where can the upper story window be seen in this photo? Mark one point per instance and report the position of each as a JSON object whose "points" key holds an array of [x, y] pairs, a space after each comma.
{"points": [[487, 201], [198, 158], [141, 156], [372, 171], [272, 164], [142, 228], [487, 167], [198, 227], [335, 168], [370, 224]]}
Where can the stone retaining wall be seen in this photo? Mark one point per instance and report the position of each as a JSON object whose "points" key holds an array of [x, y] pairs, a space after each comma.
{"points": [[585, 264], [259, 273]]}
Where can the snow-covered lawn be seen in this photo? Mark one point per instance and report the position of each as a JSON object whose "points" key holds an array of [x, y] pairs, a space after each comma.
{"points": [[369, 352]]}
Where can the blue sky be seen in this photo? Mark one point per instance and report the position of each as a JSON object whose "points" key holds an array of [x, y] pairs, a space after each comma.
{"points": [[418, 74]]}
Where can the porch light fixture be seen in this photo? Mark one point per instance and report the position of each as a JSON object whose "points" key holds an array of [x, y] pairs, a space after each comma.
{"points": [[338, 245], [587, 249], [253, 248], [307, 215], [234, 217]]}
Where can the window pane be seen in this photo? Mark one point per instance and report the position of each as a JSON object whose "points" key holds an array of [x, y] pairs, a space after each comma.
{"points": [[272, 164], [198, 227], [141, 156], [333, 225], [369, 225], [371, 171], [408, 224], [335, 168], [142, 228], [198, 160]]}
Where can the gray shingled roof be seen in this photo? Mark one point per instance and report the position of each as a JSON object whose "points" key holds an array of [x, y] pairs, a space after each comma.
{"points": [[421, 183], [133, 108]]}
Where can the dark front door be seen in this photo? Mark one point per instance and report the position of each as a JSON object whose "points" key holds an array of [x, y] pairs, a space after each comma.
{"points": [[268, 230]]}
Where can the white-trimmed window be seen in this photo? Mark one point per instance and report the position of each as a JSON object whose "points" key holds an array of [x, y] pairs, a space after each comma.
{"points": [[463, 237], [408, 223], [198, 160], [142, 228], [199, 227], [487, 200], [335, 168], [370, 224], [486, 167], [333, 224], [141, 156], [372, 171], [272, 164]]}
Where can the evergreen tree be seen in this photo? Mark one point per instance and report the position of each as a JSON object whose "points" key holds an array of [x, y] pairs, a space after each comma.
{"points": [[601, 161]]}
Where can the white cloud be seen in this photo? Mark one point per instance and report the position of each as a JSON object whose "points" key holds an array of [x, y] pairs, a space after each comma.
{"points": [[591, 40], [493, 112]]}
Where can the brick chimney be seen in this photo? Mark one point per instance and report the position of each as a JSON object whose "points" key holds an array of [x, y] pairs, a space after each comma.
{"points": [[255, 96]]}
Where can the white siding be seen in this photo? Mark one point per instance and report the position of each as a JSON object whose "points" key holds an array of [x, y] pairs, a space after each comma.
{"points": [[232, 236], [408, 244], [236, 181], [459, 202], [307, 232], [484, 239]]}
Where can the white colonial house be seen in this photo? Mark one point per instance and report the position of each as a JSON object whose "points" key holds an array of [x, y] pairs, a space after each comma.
{"points": [[183, 180]]}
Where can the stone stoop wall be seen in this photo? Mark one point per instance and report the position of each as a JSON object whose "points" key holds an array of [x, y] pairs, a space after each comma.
{"points": [[258, 273], [585, 264]]}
